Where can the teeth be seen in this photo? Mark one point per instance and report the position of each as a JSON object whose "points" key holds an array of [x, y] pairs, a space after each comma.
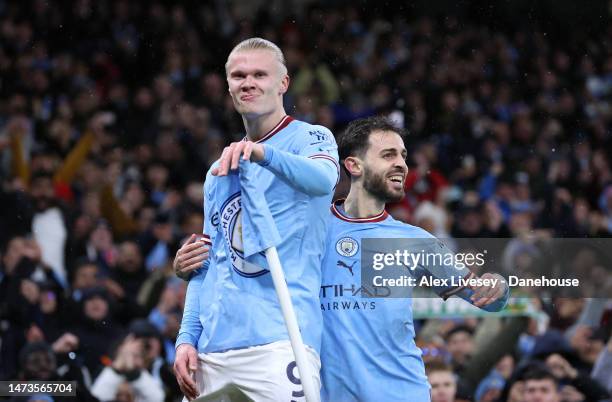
{"points": [[397, 179]]}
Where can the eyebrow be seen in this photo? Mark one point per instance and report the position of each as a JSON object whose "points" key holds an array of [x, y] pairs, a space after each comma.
{"points": [[403, 151], [242, 72]]}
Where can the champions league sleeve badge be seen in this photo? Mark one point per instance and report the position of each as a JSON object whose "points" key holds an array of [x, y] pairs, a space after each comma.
{"points": [[347, 247]]}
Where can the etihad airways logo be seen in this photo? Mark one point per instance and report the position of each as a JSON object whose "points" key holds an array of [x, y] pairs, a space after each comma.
{"points": [[349, 297], [330, 291], [348, 305]]}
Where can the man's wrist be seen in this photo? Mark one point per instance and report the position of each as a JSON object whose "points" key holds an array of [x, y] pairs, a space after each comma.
{"points": [[186, 276], [268, 153], [184, 344], [258, 153]]}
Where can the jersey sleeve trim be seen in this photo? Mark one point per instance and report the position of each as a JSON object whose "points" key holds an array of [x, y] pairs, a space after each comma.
{"points": [[325, 156], [206, 239]]}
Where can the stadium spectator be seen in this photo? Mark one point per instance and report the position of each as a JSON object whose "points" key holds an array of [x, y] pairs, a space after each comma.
{"points": [[128, 366], [112, 111], [95, 328], [460, 345], [38, 361], [541, 386], [443, 382]]}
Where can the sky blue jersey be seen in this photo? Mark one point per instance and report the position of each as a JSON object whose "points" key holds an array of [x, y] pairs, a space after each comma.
{"points": [[368, 353], [231, 302]]}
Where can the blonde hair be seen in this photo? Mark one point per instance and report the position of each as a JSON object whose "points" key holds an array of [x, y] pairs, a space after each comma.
{"points": [[259, 44]]}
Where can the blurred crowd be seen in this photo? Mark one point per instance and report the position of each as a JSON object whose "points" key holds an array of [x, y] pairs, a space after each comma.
{"points": [[112, 111]]}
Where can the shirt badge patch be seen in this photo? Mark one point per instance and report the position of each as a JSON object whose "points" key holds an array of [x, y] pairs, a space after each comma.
{"points": [[347, 246]]}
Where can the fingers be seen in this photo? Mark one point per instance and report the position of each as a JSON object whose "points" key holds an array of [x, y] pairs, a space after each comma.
{"points": [[191, 239], [193, 260], [482, 295], [192, 361], [192, 264], [486, 294], [184, 366], [222, 168], [190, 255], [189, 390], [192, 357], [248, 149], [487, 291], [226, 160], [230, 158], [193, 250], [236, 152], [186, 390]]}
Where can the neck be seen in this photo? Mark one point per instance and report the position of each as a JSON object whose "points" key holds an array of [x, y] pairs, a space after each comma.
{"points": [[361, 204], [261, 125]]}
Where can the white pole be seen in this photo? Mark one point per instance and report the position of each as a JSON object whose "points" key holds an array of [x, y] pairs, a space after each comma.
{"points": [[299, 350]]}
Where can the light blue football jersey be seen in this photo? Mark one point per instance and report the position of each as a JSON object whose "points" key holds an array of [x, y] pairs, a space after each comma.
{"points": [[231, 303], [368, 353]]}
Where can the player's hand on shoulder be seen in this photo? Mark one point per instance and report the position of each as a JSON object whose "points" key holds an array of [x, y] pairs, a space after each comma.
{"points": [[488, 293], [231, 155], [190, 256]]}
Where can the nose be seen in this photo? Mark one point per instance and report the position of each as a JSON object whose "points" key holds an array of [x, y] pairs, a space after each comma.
{"points": [[248, 83], [400, 162]]}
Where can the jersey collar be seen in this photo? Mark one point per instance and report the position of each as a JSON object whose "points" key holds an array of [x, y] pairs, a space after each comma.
{"points": [[284, 122], [339, 213]]}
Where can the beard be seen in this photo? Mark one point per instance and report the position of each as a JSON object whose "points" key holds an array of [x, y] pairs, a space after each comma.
{"points": [[376, 185]]}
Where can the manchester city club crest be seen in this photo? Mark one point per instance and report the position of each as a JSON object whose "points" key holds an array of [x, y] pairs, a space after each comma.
{"points": [[347, 247], [231, 225]]}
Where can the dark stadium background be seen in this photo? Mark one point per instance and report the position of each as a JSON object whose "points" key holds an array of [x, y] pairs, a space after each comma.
{"points": [[112, 111]]}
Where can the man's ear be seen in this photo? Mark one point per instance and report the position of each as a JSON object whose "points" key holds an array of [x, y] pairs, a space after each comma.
{"points": [[354, 166], [284, 86]]}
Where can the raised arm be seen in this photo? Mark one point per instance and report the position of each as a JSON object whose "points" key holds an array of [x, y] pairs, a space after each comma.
{"points": [[312, 168], [314, 175], [489, 292]]}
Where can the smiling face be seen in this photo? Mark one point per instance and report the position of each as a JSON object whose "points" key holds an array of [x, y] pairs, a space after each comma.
{"points": [[257, 82], [384, 166]]}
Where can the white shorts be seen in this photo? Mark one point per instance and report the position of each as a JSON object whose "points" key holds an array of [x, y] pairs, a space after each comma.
{"points": [[264, 373]]}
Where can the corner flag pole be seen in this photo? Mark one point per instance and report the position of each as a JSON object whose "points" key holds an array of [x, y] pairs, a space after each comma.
{"points": [[259, 233], [299, 350]]}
